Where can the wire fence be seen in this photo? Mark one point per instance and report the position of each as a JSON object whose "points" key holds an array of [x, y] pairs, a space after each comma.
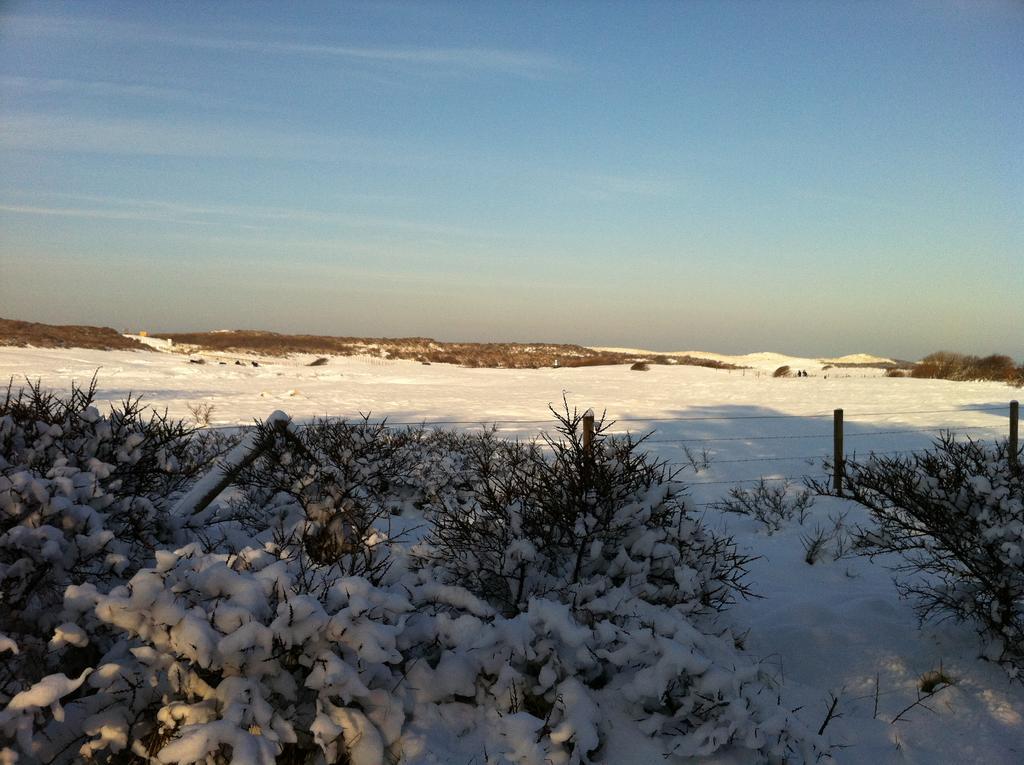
{"points": [[718, 450]]}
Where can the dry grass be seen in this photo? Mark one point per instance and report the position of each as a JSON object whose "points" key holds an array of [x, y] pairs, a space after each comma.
{"points": [[22, 333], [490, 355]]}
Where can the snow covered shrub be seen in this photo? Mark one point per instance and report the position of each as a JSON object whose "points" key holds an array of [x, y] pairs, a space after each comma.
{"points": [[955, 517], [284, 622], [548, 685], [227, 658], [604, 590], [147, 452], [348, 478], [552, 517], [83, 498]]}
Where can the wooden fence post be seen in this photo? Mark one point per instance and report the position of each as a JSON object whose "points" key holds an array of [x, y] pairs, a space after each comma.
{"points": [[209, 487], [837, 448], [1014, 449], [588, 433]]}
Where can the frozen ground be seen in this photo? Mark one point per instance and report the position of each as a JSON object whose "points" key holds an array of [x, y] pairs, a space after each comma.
{"points": [[835, 627]]}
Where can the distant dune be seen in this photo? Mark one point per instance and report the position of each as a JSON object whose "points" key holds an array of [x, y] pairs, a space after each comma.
{"points": [[768, 361], [22, 333], [423, 349]]}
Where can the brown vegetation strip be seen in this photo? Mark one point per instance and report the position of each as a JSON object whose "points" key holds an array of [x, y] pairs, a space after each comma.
{"points": [[493, 355], [22, 333]]}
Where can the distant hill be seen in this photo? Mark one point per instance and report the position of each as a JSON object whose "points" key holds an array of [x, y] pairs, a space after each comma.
{"points": [[22, 333], [424, 349]]}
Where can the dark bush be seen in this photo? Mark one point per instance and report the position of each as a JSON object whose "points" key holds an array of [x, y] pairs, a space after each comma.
{"points": [[783, 371], [946, 365], [640, 366]]}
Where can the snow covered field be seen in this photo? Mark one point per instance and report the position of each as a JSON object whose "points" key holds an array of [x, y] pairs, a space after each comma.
{"points": [[837, 627]]}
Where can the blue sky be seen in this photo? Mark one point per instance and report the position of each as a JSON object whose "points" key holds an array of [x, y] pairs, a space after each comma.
{"points": [[817, 178]]}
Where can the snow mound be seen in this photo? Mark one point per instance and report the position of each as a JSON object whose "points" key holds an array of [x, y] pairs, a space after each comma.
{"points": [[859, 358], [760, 360]]}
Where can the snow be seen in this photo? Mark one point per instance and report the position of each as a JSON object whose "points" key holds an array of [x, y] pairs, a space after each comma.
{"points": [[158, 343], [765, 361], [835, 627]]}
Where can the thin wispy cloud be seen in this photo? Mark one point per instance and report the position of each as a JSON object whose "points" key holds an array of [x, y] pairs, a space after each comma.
{"points": [[523, 63], [30, 131], [97, 214], [105, 90], [100, 88], [232, 216]]}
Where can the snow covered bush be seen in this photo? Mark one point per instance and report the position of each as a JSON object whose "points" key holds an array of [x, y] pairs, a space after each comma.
{"points": [[83, 498], [607, 587], [547, 686], [349, 479], [955, 517], [551, 517], [287, 621], [242, 658]]}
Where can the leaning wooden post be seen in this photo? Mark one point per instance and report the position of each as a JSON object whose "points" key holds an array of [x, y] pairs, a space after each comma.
{"points": [[246, 452], [588, 433], [837, 448], [1012, 446]]}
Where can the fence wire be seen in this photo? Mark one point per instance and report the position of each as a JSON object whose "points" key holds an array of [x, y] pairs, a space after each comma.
{"points": [[851, 421]]}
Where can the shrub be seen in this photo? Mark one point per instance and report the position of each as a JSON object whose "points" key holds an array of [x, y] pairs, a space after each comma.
{"points": [[823, 539], [771, 505], [251, 657], [597, 557], [83, 498], [959, 366], [640, 366], [783, 371], [347, 478], [286, 624], [955, 517], [201, 413], [544, 518]]}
